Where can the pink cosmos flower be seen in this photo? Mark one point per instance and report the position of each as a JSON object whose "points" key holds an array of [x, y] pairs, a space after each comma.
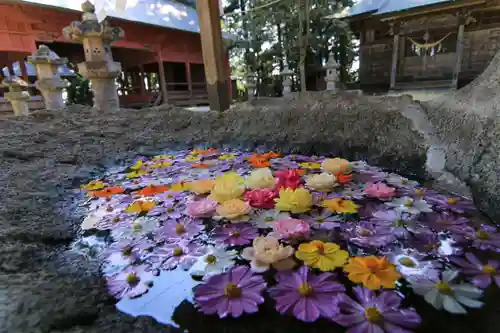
{"points": [[291, 228], [379, 190], [201, 208], [261, 198]]}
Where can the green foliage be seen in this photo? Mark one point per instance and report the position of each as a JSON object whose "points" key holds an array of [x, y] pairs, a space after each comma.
{"points": [[79, 91]]}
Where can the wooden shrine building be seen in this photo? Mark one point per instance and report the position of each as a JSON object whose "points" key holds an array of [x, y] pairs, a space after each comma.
{"points": [[161, 54], [424, 44]]}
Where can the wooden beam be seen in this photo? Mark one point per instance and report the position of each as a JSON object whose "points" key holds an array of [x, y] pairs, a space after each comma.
{"points": [[163, 80], [462, 19], [395, 53], [213, 54], [141, 79]]}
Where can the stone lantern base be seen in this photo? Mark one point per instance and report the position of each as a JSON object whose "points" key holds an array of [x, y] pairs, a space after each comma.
{"points": [[19, 101], [105, 93]]}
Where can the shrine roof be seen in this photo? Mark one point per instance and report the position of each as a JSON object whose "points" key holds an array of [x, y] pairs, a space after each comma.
{"points": [[164, 13], [378, 7]]}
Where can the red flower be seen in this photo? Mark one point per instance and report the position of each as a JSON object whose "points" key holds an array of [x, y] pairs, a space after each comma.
{"points": [[287, 179], [261, 198], [343, 178]]}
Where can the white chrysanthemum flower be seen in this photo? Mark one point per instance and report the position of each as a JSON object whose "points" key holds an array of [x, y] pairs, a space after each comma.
{"points": [[410, 205], [409, 264], [443, 294], [140, 227], [216, 260], [265, 219], [400, 181]]}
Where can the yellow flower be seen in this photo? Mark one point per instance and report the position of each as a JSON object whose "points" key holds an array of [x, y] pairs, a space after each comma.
{"points": [[266, 252], [228, 186], [161, 165], [334, 165], [323, 256], [227, 157], [323, 182], [310, 165], [373, 272], [138, 165], [179, 187], [192, 159], [341, 206], [294, 201], [202, 186], [234, 209], [136, 173], [140, 206], [260, 178], [93, 185]]}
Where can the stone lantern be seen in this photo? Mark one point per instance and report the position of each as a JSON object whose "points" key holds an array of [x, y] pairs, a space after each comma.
{"points": [[17, 96], [98, 66], [251, 85], [331, 76], [287, 75], [49, 81]]}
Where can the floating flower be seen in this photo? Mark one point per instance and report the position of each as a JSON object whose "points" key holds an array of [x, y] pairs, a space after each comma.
{"points": [[379, 190], [209, 151], [291, 229], [310, 165], [344, 177], [227, 157], [107, 192], [294, 201], [228, 186], [261, 198], [287, 179], [235, 210], [400, 182], [93, 185], [340, 206], [409, 263], [231, 294], [161, 165], [374, 313], [323, 182], [323, 256], [140, 206], [305, 295], [200, 166], [483, 274], [322, 219], [397, 221], [136, 173], [485, 238], [139, 228], [201, 208], [373, 272], [260, 178], [202, 186], [267, 252], [236, 234], [410, 205], [132, 282], [179, 229], [170, 255], [446, 222], [151, 190], [454, 204], [366, 235], [442, 293], [139, 164], [271, 154], [267, 218], [334, 165], [124, 253], [216, 260], [192, 159]]}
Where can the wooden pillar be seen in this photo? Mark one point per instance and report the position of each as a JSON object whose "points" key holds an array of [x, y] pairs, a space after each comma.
{"points": [[141, 79], [213, 54], [163, 79], [395, 53], [189, 80], [462, 18]]}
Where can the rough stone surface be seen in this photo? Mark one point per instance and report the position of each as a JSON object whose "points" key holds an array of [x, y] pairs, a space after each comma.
{"points": [[468, 124], [46, 155]]}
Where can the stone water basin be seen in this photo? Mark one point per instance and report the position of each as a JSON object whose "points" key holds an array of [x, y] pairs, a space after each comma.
{"points": [[209, 240]]}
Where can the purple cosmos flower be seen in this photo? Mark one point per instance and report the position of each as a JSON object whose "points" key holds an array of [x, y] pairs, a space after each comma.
{"points": [[426, 241], [418, 192], [115, 220], [132, 282], [369, 176], [400, 181], [369, 207], [169, 256], [236, 234], [446, 222], [374, 313], [485, 238], [483, 274], [397, 221], [184, 228], [305, 295], [367, 235], [322, 219], [455, 204], [169, 196], [231, 294], [354, 192]]}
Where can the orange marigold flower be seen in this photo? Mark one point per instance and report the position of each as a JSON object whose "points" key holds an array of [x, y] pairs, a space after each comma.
{"points": [[203, 151], [200, 166], [152, 190], [300, 172], [107, 192], [373, 272], [270, 155], [343, 178], [258, 161]]}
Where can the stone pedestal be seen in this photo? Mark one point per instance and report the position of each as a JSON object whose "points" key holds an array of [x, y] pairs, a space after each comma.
{"points": [[49, 81], [251, 86], [331, 76], [287, 75], [17, 96], [98, 66]]}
